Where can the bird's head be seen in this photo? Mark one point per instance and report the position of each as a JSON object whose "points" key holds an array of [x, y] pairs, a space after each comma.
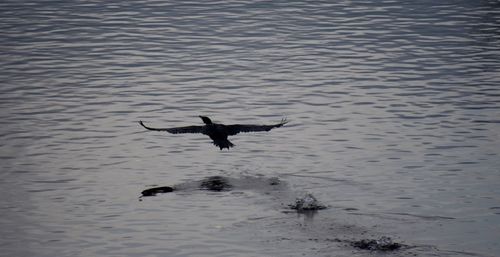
{"points": [[206, 120]]}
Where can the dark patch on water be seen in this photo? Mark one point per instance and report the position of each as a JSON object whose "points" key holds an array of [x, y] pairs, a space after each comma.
{"points": [[307, 203], [220, 183], [274, 181], [216, 183], [157, 190], [383, 244]]}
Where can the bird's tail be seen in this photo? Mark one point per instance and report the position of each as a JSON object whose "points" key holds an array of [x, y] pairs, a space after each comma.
{"points": [[223, 144]]}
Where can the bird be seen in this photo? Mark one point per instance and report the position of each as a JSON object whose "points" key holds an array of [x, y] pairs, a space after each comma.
{"points": [[218, 132]]}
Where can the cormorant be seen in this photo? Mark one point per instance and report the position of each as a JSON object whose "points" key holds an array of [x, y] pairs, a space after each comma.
{"points": [[218, 132]]}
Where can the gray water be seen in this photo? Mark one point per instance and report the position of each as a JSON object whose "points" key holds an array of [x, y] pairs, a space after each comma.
{"points": [[394, 110]]}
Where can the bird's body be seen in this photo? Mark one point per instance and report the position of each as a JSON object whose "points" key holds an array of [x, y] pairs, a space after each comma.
{"points": [[218, 132]]}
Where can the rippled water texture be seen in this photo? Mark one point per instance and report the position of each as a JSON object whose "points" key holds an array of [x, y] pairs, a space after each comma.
{"points": [[394, 110]]}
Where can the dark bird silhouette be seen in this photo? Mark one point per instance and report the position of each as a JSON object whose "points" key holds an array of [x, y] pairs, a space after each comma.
{"points": [[218, 132]]}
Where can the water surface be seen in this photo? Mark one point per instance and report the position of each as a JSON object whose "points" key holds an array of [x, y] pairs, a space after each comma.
{"points": [[394, 110]]}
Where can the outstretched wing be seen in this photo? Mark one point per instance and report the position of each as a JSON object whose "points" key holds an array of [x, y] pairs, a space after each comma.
{"points": [[237, 128], [188, 129]]}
